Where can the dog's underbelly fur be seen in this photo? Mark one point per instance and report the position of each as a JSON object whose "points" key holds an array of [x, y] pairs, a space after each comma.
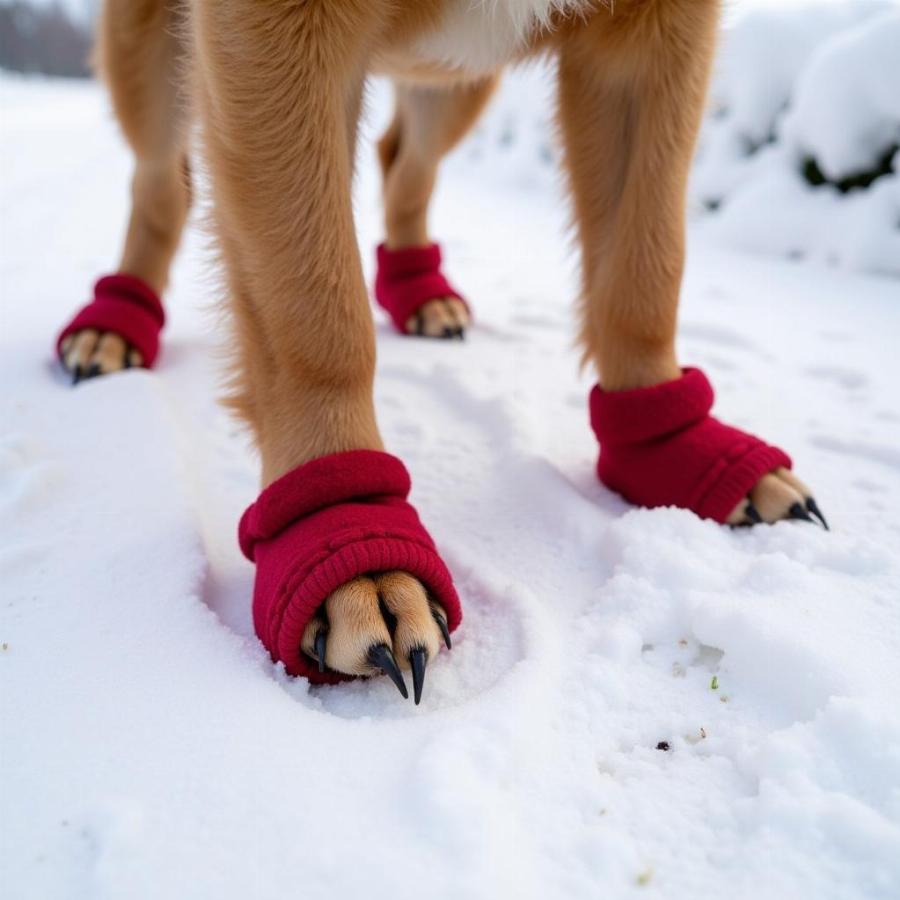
{"points": [[478, 36]]}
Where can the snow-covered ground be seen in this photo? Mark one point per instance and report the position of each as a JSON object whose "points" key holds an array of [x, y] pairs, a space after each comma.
{"points": [[150, 749]]}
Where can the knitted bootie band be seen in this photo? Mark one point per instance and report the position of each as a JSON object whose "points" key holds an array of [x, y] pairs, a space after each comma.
{"points": [[660, 447], [319, 526], [409, 278], [127, 306]]}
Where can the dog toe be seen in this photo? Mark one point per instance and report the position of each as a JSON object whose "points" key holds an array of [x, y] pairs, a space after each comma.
{"points": [[386, 624], [777, 496], [77, 352], [110, 355], [89, 353], [445, 318]]}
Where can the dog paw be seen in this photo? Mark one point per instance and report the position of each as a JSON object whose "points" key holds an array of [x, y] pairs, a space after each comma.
{"points": [[778, 495], [385, 623], [445, 317], [89, 353]]}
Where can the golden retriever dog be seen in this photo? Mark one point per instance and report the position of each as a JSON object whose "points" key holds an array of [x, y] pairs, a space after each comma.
{"points": [[276, 86]]}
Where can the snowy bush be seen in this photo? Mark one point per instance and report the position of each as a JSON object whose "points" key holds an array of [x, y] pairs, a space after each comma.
{"points": [[798, 154]]}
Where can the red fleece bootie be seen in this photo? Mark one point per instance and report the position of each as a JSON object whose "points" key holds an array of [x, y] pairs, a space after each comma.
{"points": [[322, 524], [409, 278], [659, 446], [127, 306]]}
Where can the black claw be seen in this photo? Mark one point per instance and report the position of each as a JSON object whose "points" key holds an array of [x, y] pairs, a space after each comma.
{"points": [[380, 656], [93, 371], [320, 650], [797, 511], [445, 631], [420, 324], [77, 374], [813, 507], [752, 514], [126, 362], [418, 659], [449, 331]]}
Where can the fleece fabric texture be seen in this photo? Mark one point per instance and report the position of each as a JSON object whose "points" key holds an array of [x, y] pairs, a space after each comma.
{"points": [[322, 524], [659, 446], [407, 279], [127, 306]]}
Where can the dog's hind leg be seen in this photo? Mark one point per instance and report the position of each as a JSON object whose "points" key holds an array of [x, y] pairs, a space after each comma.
{"points": [[632, 88], [142, 58], [428, 122], [346, 576]]}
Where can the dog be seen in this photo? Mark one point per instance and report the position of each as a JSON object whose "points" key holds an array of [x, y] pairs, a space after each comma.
{"points": [[277, 88]]}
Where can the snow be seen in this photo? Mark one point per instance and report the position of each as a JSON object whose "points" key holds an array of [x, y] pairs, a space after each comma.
{"points": [[151, 749], [807, 82], [793, 82], [858, 71]]}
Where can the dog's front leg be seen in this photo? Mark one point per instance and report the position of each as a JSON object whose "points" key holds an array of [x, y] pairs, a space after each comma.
{"points": [[632, 88], [347, 578]]}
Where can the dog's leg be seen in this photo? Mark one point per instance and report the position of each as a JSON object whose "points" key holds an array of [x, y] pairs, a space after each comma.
{"points": [[142, 60], [279, 87], [428, 122], [632, 88]]}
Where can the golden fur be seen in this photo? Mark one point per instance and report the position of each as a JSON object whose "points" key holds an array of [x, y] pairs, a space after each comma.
{"points": [[277, 88], [277, 85]]}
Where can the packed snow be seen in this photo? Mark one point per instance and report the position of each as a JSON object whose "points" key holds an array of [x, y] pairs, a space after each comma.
{"points": [[151, 749]]}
